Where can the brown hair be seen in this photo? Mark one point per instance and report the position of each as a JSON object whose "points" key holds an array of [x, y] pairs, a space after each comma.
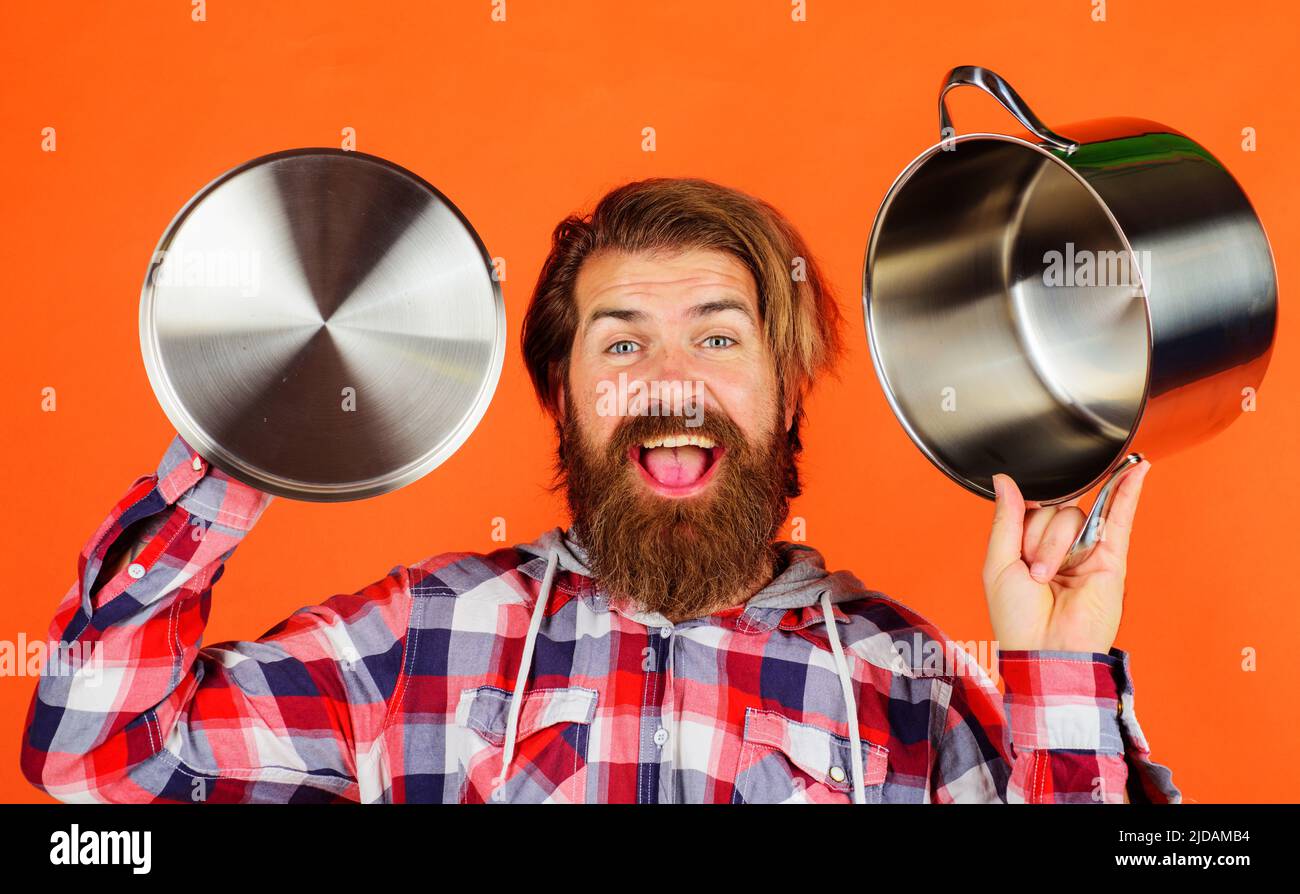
{"points": [[801, 319]]}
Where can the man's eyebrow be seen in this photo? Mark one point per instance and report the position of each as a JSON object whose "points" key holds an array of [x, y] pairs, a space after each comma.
{"points": [[627, 316], [721, 304], [699, 310]]}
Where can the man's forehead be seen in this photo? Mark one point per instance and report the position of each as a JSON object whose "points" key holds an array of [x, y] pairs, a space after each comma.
{"points": [[685, 275]]}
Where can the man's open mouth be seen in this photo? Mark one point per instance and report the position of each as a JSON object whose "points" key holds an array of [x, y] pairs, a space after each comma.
{"points": [[677, 465]]}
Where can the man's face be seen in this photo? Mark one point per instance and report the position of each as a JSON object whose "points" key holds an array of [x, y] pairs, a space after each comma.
{"points": [[674, 434]]}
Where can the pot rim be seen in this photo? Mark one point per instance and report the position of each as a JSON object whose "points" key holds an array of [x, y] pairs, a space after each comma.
{"points": [[207, 446], [899, 182]]}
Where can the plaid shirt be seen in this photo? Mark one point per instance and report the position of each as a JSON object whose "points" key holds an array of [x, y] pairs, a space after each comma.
{"points": [[401, 692]]}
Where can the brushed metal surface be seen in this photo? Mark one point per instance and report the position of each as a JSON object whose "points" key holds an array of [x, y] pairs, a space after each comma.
{"points": [[990, 367], [322, 325], [1046, 383]]}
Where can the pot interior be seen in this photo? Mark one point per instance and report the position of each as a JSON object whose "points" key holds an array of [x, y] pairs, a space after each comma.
{"points": [[1007, 319]]}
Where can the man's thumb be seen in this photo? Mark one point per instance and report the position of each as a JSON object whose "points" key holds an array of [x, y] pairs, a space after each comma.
{"points": [[1008, 527]]}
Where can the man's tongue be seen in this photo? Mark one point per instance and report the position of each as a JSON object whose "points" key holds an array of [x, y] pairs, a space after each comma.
{"points": [[675, 466]]}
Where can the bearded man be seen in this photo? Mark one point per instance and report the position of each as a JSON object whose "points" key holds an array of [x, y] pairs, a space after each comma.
{"points": [[665, 646]]}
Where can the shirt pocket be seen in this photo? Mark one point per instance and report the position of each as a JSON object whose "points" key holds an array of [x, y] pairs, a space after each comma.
{"points": [[550, 759], [784, 761]]}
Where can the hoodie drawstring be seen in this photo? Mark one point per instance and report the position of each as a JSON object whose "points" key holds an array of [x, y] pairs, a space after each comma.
{"points": [[525, 664], [846, 687]]}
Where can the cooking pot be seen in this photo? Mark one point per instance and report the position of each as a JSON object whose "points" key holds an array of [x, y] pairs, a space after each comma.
{"points": [[323, 325], [1059, 306]]}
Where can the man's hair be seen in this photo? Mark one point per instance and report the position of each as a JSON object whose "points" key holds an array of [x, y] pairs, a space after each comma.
{"points": [[801, 319]]}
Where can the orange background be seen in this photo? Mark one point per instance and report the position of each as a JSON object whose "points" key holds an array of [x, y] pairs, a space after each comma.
{"points": [[524, 121]]}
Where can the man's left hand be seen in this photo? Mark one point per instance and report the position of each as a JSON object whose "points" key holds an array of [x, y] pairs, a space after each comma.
{"points": [[1033, 604]]}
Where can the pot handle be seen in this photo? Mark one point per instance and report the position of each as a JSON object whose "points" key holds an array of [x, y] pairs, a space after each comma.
{"points": [[1093, 531], [1004, 93]]}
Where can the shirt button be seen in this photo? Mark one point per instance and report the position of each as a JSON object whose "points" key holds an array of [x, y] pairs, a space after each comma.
{"points": [[837, 773], [665, 632], [661, 736], [197, 464], [136, 570]]}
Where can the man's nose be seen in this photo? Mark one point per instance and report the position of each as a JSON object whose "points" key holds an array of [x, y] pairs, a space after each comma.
{"points": [[681, 388]]}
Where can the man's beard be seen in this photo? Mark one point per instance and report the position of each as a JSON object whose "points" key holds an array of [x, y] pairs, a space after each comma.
{"points": [[681, 557]]}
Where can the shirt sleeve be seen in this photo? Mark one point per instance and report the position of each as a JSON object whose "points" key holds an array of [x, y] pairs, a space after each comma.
{"points": [[132, 708], [1064, 733]]}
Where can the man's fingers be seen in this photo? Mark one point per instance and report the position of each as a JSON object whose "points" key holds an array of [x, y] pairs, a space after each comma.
{"points": [[1044, 535], [1057, 540], [1008, 527], [1035, 524]]}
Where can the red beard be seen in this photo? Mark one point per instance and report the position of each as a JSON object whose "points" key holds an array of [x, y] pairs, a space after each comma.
{"points": [[682, 557]]}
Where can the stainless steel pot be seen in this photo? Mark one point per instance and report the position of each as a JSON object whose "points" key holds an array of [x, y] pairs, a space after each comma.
{"points": [[322, 325], [1059, 307]]}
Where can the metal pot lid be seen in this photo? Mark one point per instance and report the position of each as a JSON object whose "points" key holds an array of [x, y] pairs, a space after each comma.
{"points": [[322, 325]]}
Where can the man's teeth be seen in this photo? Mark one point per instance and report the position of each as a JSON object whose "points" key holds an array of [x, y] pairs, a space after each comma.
{"points": [[679, 441]]}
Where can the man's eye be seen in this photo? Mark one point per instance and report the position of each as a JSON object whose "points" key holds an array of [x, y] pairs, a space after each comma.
{"points": [[712, 341], [622, 347]]}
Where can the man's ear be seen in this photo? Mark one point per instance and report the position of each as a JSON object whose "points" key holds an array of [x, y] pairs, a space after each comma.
{"points": [[791, 404], [559, 405]]}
